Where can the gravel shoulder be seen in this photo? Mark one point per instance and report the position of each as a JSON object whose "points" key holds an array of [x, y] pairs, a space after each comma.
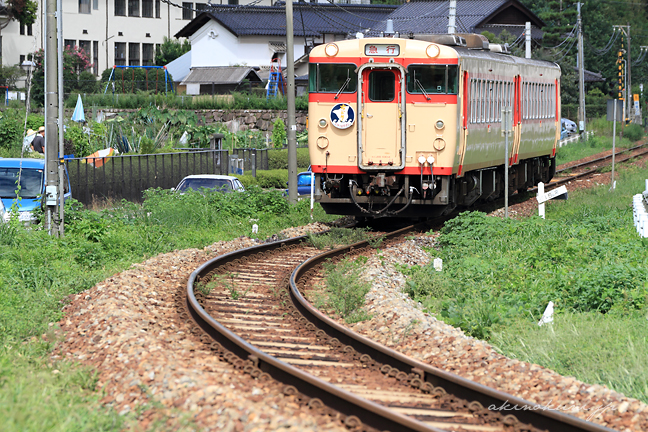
{"points": [[129, 330]]}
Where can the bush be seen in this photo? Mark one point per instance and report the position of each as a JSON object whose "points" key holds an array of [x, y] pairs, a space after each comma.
{"points": [[278, 134], [11, 129], [633, 132], [276, 179], [278, 159]]}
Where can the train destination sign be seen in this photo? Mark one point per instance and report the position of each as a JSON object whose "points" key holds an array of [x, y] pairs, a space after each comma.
{"points": [[390, 50]]}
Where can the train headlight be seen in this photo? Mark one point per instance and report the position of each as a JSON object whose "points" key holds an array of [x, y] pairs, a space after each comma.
{"points": [[331, 49], [439, 144], [430, 160], [322, 123], [439, 124], [421, 159], [433, 51]]}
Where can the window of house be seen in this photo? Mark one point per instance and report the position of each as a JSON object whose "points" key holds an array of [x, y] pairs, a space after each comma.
{"points": [[69, 43], [86, 47], [187, 11], [120, 7], [95, 4], [147, 8], [95, 57], [22, 59], [120, 53], [22, 29], [147, 54], [232, 2], [134, 54], [84, 6], [133, 8], [158, 4]]}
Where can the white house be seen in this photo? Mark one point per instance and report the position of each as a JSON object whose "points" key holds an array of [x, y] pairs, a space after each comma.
{"points": [[229, 36]]}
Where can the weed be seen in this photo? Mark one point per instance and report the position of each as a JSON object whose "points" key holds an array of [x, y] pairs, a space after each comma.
{"points": [[345, 289], [337, 237]]}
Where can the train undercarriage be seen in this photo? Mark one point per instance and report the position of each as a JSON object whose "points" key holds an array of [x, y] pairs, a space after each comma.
{"points": [[385, 194]]}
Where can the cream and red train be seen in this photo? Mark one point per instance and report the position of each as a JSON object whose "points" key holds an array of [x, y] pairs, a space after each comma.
{"points": [[413, 128]]}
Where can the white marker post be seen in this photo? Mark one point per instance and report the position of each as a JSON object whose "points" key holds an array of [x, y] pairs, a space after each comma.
{"points": [[312, 192], [543, 197], [507, 129]]}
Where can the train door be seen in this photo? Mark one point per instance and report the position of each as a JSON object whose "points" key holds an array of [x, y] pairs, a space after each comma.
{"points": [[517, 120], [381, 138]]}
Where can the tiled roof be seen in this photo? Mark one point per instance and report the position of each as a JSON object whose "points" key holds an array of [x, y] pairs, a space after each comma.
{"points": [[420, 17], [309, 19], [220, 75]]}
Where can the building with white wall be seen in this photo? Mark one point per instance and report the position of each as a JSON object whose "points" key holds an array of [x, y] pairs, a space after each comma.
{"points": [[111, 32], [253, 36]]}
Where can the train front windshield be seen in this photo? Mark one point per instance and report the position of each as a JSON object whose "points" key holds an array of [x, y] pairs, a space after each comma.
{"points": [[332, 78], [432, 79]]}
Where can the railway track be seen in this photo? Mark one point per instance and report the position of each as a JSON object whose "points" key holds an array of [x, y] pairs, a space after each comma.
{"points": [[248, 307], [581, 170]]}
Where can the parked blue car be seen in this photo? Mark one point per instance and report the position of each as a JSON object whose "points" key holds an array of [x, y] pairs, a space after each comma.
{"points": [[303, 183], [32, 186]]}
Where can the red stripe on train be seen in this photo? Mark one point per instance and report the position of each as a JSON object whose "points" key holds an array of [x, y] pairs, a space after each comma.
{"points": [[353, 169]]}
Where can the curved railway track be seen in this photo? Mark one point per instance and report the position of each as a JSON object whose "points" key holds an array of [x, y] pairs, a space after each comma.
{"points": [[248, 307]]}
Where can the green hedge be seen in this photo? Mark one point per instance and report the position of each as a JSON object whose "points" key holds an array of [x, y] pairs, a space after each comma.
{"points": [[276, 179], [278, 159]]}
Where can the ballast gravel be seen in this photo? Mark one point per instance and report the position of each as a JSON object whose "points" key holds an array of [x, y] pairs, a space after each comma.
{"points": [[152, 370], [399, 323]]}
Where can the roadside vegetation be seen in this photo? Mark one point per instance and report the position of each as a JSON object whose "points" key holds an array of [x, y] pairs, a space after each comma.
{"points": [[499, 276], [626, 137], [37, 273]]}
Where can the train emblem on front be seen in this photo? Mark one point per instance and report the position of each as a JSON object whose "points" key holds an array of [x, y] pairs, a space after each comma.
{"points": [[342, 116]]}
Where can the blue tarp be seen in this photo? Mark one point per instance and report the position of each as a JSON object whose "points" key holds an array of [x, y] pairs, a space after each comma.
{"points": [[78, 115]]}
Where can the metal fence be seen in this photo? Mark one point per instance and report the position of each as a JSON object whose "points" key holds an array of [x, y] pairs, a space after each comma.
{"points": [[128, 176]]}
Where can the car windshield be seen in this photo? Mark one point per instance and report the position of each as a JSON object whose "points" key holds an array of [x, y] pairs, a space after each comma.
{"points": [[197, 183], [31, 182]]}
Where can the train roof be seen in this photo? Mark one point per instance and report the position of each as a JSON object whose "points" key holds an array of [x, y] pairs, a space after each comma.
{"points": [[350, 48]]}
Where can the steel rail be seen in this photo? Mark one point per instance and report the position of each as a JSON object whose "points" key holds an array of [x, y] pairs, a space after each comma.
{"points": [[349, 404], [528, 412]]}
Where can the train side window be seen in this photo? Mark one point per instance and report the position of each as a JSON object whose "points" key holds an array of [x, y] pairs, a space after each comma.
{"points": [[489, 98], [331, 78], [432, 79], [453, 79], [472, 101], [382, 86]]}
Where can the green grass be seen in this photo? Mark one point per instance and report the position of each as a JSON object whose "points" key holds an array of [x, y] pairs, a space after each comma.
{"points": [[605, 349], [38, 271], [586, 257], [601, 141]]}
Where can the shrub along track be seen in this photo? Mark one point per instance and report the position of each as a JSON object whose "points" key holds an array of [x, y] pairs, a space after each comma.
{"points": [[248, 302]]}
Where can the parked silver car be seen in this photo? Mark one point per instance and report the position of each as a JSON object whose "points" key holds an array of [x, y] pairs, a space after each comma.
{"points": [[210, 181]]}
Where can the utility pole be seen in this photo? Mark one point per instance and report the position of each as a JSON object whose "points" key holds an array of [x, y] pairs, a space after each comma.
{"points": [[452, 17], [51, 112], [581, 76], [292, 128], [527, 34], [61, 151], [629, 86]]}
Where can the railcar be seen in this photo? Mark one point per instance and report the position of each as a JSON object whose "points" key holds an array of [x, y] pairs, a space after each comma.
{"points": [[413, 127]]}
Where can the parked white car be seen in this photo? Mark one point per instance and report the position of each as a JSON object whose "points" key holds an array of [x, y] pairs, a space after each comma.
{"points": [[210, 181]]}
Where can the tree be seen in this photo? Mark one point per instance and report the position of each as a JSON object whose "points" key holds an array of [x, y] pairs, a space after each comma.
{"points": [[75, 75], [9, 75], [170, 50], [23, 11]]}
